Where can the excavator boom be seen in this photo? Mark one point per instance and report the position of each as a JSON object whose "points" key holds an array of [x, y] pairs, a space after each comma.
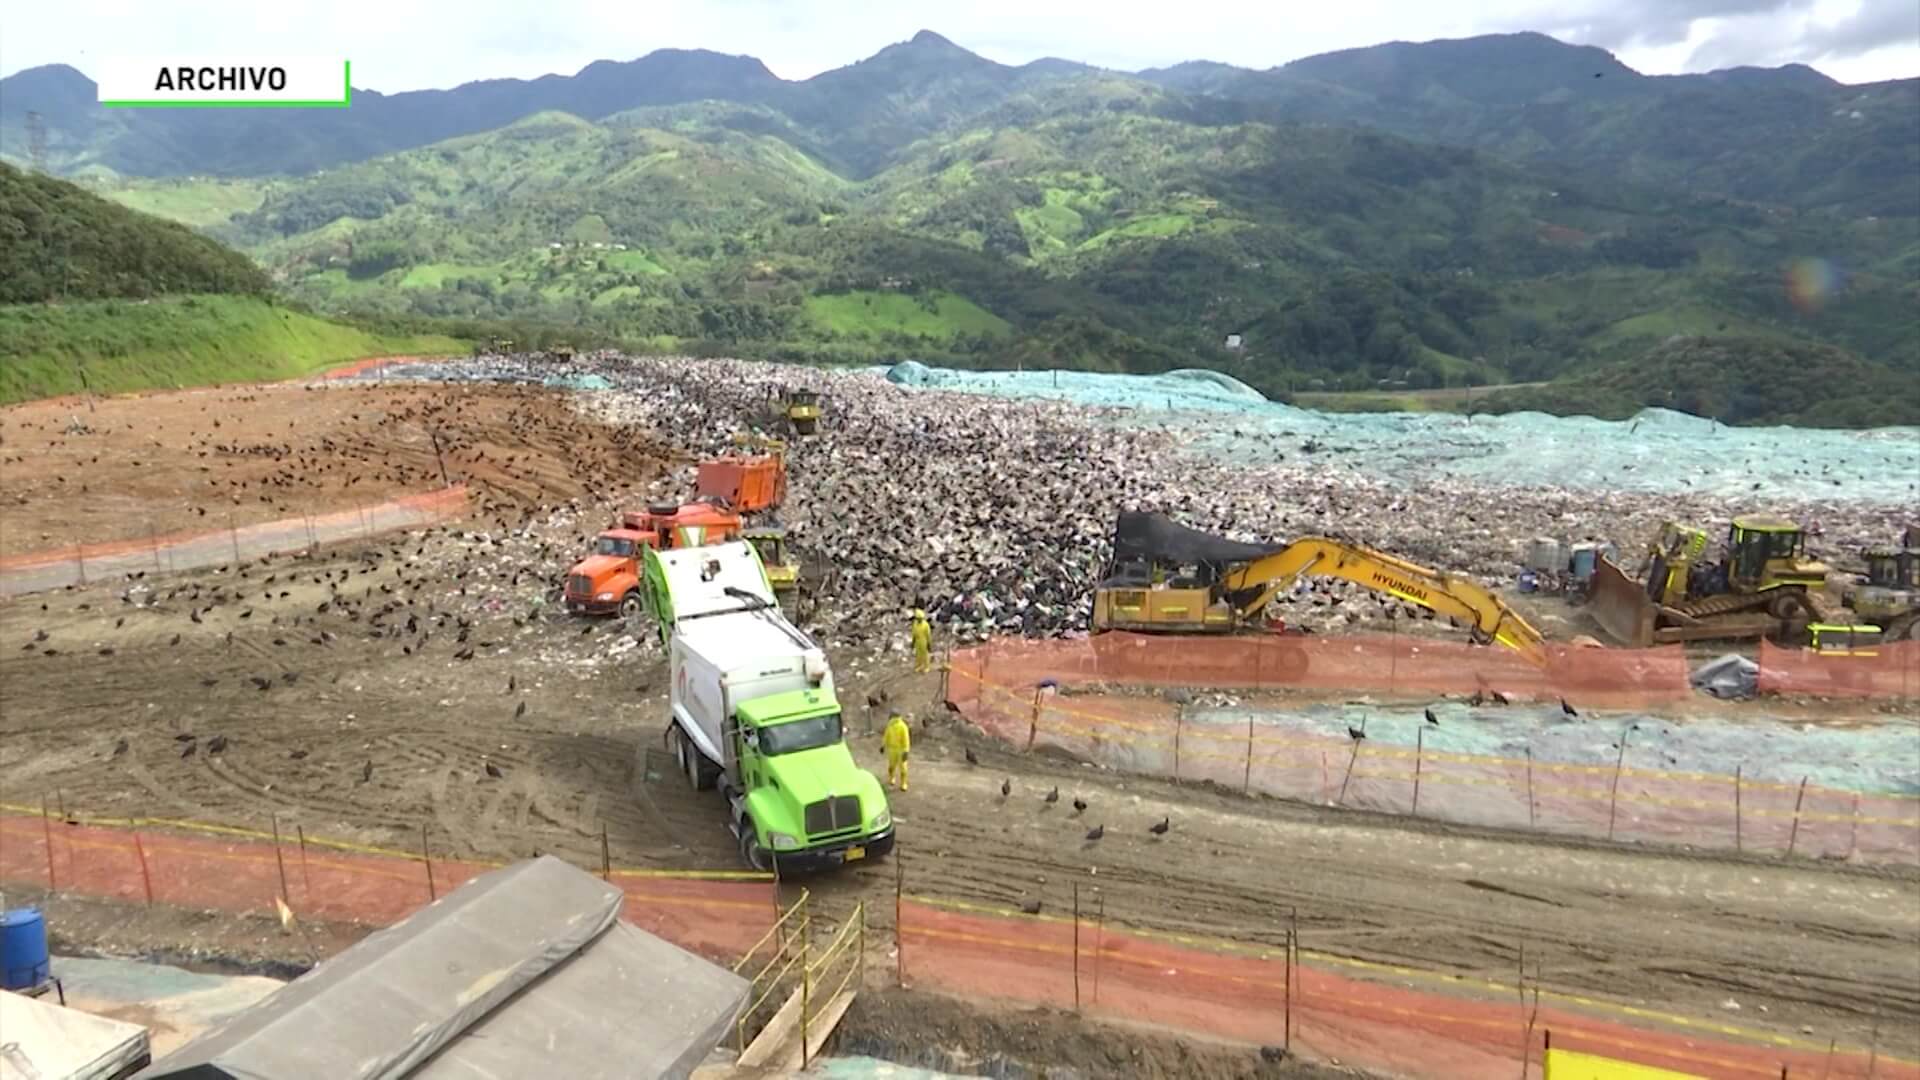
{"points": [[1250, 587]]}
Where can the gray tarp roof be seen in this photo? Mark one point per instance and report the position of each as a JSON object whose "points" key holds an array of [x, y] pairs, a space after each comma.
{"points": [[524, 971]]}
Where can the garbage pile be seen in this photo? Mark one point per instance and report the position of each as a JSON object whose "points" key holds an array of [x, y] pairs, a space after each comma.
{"points": [[994, 513]]}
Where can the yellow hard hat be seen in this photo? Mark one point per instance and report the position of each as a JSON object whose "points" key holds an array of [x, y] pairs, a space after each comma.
{"points": [[918, 614]]}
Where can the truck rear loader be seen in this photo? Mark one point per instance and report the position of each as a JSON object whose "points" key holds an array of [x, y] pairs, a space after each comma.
{"points": [[754, 714]]}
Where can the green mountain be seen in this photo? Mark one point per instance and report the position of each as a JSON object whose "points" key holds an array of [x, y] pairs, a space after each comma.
{"points": [[63, 243], [1788, 135], [1736, 380], [1543, 211], [94, 296]]}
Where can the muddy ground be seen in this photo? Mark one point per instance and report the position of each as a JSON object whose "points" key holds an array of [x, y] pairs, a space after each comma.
{"points": [[128, 467], [428, 656]]}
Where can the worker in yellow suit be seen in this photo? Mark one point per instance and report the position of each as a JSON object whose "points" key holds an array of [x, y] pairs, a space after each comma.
{"points": [[898, 741], [922, 642]]}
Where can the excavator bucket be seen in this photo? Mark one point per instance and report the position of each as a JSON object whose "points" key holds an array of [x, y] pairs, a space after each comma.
{"points": [[1621, 606]]}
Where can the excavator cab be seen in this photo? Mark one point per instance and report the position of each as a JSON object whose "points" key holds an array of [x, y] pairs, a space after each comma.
{"points": [[1893, 568], [1765, 553]]}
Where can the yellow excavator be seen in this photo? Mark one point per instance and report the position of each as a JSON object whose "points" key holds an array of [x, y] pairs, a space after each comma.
{"points": [[1220, 586]]}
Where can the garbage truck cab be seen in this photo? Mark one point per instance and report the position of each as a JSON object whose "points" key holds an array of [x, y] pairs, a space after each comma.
{"points": [[753, 713]]}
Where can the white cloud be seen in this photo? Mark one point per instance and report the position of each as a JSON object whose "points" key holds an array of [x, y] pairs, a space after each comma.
{"points": [[439, 43]]}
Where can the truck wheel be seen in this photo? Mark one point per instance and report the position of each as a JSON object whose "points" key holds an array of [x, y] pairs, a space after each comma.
{"points": [[630, 605], [751, 852]]}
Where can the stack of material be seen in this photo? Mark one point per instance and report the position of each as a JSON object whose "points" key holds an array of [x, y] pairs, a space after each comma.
{"points": [[524, 971], [45, 1041]]}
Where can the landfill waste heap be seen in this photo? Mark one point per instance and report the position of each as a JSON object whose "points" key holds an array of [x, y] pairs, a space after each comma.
{"points": [[995, 514]]}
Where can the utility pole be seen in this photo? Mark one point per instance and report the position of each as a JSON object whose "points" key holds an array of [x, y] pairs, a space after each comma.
{"points": [[37, 141]]}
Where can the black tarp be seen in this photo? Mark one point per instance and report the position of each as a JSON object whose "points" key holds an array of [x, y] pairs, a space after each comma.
{"points": [[1150, 537]]}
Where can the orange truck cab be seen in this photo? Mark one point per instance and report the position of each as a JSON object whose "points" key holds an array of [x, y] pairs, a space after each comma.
{"points": [[608, 581], [747, 483]]}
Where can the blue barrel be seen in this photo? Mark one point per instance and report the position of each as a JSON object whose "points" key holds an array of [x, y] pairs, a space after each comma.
{"points": [[1584, 557], [1528, 582], [23, 949]]}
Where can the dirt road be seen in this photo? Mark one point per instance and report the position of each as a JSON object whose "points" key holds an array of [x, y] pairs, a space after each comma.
{"points": [[362, 693]]}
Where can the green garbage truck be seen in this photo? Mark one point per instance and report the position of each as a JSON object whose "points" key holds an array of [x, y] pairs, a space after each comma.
{"points": [[754, 715]]}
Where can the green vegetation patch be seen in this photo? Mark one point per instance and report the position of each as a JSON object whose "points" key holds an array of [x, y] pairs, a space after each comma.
{"points": [[937, 315], [119, 346]]}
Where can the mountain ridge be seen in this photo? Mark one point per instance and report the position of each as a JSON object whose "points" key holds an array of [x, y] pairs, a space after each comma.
{"points": [[1526, 96]]}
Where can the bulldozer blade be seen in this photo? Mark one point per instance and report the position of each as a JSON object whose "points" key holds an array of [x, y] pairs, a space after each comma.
{"points": [[1621, 606]]}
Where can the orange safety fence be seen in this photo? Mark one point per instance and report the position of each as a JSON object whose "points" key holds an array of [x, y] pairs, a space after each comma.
{"points": [[1428, 1024], [719, 914], [52, 569], [1891, 670], [1606, 678], [1617, 801]]}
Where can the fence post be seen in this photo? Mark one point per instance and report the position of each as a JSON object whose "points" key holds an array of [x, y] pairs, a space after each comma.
{"points": [[899, 934], [1793, 836], [280, 861], [1351, 759], [46, 825], [1033, 724], [606, 855], [1613, 797], [1076, 946], [1419, 754], [146, 879], [1246, 782], [306, 875], [806, 998], [1737, 845], [1179, 721], [427, 857], [1530, 812], [1099, 940], [1286, 958]]}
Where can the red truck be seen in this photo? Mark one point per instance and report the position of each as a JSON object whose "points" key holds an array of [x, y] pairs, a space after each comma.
{"points": [[607, 582]]}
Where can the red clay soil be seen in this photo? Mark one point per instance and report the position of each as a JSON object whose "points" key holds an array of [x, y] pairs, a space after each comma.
{"points": [[131, 467]]}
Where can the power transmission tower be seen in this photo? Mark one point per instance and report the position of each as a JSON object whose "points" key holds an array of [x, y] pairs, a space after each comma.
{"points": [[37, 142]]}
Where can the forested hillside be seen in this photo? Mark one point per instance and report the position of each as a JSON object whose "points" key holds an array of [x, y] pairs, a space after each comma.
{"points": [[1499, 209]]}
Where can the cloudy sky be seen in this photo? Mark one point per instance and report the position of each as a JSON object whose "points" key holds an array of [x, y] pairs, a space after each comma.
{"points": [[415, 44]]}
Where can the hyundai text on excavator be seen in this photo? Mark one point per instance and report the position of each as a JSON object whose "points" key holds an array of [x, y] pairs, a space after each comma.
{"points": [[1761, 585], [608, 581], [1220, 586]]}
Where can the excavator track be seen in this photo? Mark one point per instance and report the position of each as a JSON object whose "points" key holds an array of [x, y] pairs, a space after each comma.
{"points": [[1725, 604]]}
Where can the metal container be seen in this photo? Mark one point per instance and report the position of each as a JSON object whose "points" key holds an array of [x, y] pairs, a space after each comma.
{"points": [[23, 949], [1546, 554]]}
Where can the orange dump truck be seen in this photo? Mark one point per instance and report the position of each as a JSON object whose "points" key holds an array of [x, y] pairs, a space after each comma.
{"points": [[608, 581], [749, 484]]}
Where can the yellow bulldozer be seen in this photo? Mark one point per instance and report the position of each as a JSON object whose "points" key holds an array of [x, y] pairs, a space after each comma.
{"points": [[801, 408], [1889, 596], [1760, 583], [1166, 578]]}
